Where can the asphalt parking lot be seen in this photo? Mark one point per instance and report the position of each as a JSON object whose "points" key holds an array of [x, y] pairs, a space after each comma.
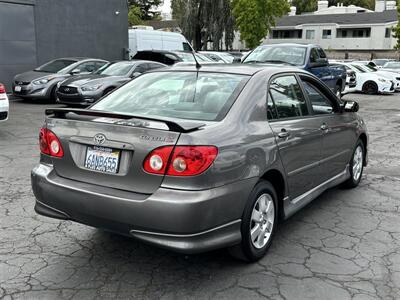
{"points": [[344, 245]]}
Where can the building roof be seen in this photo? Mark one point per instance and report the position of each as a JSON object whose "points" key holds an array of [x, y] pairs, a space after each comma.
{"points": [[341, 19]]}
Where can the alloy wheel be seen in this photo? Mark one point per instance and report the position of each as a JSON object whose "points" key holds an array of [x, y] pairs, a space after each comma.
{"points": [[358, 159], [262, 221]]}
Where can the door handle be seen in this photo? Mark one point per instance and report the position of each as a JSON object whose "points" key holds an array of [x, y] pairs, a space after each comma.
{"points": [[324, 127], [283, 134]]}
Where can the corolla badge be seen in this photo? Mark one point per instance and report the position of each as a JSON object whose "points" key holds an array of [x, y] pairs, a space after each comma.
{"points": [[99, 139]]}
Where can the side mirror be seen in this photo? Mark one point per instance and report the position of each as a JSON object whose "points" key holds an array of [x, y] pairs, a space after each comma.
{"points": [[350, 106], [136, 74], [321, 62], [75, 72]]}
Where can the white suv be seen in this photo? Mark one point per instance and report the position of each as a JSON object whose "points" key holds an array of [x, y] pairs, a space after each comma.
{"points": [[3, 103]]}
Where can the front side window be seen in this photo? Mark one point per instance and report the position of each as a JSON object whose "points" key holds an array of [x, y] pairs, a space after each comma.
{"points": [[86, 67], [320, 104], [183, 95], [289, 100]]}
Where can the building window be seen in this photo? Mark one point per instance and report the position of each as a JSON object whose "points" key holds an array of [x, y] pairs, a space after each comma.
{"points": [[326, 34], [361, 32], [388, 32], [287, 34], [310, 34]]}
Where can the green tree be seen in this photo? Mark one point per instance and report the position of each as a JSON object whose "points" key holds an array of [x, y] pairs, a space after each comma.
{"points": [[254, 18], [148, 8], [134, 15], [305, 5], [396, 29]]}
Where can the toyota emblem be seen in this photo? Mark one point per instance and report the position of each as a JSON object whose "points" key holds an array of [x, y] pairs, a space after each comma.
{"points": [[99, 139]]}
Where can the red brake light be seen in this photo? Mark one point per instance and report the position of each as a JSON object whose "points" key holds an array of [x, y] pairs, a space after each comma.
{"points": [[49, 143], [156, 162], [2, 89], [184, 161]]}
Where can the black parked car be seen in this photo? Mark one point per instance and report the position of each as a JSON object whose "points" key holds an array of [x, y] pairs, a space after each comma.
{"points": [[87, 89], [171, 57], [41, 83]]}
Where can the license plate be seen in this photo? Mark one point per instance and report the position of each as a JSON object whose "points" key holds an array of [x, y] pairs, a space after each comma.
{"points": [[17, 88], [102, 159]]}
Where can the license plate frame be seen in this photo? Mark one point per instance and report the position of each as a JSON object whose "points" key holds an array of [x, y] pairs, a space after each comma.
{"points": [[98, 166], [17, 88]]}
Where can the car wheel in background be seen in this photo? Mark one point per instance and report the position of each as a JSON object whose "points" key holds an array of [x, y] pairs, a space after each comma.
{"points": [[259, 223], [370, 88], [356, 166], [108, 90], [338, 91], [53, 94]]}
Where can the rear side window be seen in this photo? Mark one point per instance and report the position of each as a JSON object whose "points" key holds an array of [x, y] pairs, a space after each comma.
{"points": [[289, 100], [184, 95]]}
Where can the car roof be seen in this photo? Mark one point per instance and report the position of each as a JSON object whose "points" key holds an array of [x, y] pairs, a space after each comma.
{"points": [[134, 61], [292, 45], [243, 69], [79, 58]]}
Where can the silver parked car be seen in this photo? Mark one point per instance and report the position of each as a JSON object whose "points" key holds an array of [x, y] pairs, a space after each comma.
{"points": [[41, 83], [194, 160], [86, 89]]}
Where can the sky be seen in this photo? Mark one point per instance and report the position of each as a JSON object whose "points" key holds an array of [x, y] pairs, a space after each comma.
{"points": [[166, 8]]}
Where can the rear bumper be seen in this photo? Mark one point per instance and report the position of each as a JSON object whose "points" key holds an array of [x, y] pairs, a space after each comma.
{"points": [[183, 221]]}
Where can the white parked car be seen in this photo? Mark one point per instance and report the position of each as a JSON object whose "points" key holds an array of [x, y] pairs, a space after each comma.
{"points": [[390, 75], [369, 82], [4, 106], [392, 66], [216, 56]]}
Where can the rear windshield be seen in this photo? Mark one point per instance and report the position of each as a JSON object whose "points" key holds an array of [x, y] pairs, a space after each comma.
{"points": [[183, 95], [55, 65]]}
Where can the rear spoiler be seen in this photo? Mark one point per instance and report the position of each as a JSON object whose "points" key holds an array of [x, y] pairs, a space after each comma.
{"points": [[173, 125]]}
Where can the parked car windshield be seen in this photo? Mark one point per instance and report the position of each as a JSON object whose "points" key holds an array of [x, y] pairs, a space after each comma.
{"points": [[278, 54], [115, 69], [359, 68], [392, 65], [184, 95], [55, 66], [188, 57]]}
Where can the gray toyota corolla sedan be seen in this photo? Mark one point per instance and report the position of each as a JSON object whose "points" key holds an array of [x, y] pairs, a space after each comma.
{"points": [[41, 83], [86, 89], [198, 160]]}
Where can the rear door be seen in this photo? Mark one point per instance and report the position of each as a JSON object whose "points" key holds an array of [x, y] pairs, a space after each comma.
{"points": [[297, 134], [337, 128]]}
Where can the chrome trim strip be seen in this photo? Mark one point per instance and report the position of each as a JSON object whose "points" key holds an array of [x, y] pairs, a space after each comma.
{"points": [[133, 231], [299, 202], [301, 197]]}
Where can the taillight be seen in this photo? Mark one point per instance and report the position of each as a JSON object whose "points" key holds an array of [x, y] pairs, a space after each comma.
{"points": [[2, 89], [181, 160], [49, 143], [156, 162]]}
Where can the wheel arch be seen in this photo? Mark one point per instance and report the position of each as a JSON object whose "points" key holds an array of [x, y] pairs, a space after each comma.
{"points": [[276, 178], [364, 139]]}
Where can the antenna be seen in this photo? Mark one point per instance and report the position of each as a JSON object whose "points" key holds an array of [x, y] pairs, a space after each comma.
{"points": [[198, 65]]}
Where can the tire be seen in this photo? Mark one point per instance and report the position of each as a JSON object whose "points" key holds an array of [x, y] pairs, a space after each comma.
{"points": [[356, 166], [263, 197], [53, 95], [370, 88], [338, 91], [107, 91]]}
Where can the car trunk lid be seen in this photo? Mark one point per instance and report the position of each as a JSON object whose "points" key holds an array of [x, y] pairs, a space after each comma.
{"points": [[84, 132]]}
